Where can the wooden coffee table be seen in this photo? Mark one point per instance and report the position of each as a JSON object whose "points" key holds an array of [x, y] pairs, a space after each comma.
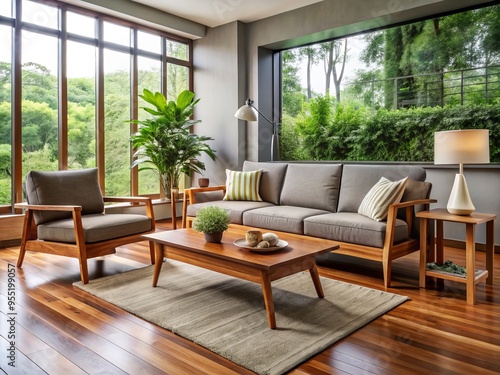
{"points": [[188, 246]]}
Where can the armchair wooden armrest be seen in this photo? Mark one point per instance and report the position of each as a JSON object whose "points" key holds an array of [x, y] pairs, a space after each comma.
{"points": [[127, 199], [136, 200], [47, 207], [190, 197]]}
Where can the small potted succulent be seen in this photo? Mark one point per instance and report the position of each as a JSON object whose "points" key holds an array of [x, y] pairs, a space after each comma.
{"points": [[212, 221]]}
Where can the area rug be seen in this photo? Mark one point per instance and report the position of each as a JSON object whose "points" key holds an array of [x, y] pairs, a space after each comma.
{"points": [[228, 316]]}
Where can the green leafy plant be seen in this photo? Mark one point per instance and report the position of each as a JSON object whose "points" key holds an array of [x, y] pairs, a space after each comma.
{"points": [[449, 267], [165, 143], [211, 219]]}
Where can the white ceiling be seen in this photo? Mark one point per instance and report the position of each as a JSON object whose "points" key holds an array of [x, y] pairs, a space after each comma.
{"points": [[219, 12]]}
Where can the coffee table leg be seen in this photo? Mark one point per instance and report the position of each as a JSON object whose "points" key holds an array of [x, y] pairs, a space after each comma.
{"points": [[317, 282], [158, 262], [268, 299]]}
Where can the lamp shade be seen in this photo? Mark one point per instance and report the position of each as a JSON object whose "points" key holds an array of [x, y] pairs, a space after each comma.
{"points": [[462, 147], [246, 112]]}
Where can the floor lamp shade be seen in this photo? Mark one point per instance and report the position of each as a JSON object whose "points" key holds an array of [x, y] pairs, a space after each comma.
{"points": [[248, 112], [461, 147]]}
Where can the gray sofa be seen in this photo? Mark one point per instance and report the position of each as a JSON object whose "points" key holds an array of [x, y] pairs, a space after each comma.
{"points": [[322, 200]]}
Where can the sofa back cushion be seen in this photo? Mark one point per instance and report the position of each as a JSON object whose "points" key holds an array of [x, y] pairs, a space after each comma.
{"points": [[271, 180], [75, 187], [243, 186], [312, 186], [357, 180]]}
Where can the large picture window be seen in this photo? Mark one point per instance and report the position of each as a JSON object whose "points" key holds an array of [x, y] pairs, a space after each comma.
{"points": [[69, 84], [380, 96]]}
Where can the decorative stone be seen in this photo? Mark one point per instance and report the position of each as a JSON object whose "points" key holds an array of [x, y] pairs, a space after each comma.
{"points": [[253, 237]]}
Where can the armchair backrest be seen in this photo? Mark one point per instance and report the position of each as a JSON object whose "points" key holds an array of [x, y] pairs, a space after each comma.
{"points": [[73, 187]]}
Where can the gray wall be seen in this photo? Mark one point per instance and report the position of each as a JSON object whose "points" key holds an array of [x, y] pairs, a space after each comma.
{"points": [[219, 70]]}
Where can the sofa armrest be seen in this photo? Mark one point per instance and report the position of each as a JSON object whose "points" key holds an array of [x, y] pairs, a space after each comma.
{"points": [[415, 202], [191, 192], [409, 206], [190, 198]]}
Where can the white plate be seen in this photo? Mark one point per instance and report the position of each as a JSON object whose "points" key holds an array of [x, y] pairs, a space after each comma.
{"points": [[242, 242]]}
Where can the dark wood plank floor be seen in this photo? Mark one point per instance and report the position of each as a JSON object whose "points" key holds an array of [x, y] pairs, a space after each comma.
{"points": [[62, 330]]}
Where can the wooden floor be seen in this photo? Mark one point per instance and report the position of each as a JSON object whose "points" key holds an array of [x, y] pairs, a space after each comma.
{"points": [[63, 330]]}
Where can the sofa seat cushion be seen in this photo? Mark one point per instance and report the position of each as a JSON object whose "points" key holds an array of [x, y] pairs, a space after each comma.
{"points": [[236, 208], [353, 228], [96, 228], [282, 218]]}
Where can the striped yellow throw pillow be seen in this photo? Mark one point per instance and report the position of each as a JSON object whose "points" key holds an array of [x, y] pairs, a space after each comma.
{"points": [[376, 202], [243, 186]]}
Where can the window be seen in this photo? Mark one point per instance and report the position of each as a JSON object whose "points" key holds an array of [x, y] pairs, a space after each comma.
{"points": [[40, 104], [149, 78], [382, 95], [81, 72], [40, 14], [5, 8], [5, 117], [77, 94], [116, 128], [80, 24]]}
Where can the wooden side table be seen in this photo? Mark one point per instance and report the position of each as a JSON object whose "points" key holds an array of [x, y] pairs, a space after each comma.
{"points": [[472, 278]]}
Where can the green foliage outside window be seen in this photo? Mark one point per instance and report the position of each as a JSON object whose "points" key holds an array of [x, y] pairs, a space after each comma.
{"points": [[326, 131]]}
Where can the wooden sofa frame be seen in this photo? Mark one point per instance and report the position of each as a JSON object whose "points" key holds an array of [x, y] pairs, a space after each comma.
{"points": [[385, 255]]}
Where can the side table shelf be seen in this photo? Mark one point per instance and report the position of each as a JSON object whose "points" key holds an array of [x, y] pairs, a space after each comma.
{"points": [[472, 278], [480, 276]]}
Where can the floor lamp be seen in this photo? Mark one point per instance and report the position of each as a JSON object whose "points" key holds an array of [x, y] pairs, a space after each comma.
{"points": [[249, 112], [461, 147]]}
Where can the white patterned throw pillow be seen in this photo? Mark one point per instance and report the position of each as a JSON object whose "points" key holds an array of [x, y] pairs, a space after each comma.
{"points": [[385, 192], [243, 186]]}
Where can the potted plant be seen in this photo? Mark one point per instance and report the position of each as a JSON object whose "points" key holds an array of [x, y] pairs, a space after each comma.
{"points": [[212, 221], [203, 181], [165, 143]]}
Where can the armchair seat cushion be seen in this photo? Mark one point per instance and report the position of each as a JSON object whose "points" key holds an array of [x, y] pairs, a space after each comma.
{"points": [[96, 228], [353, 228]]}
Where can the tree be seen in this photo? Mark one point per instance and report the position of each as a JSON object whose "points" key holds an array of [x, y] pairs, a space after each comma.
{"points": [[312, 54], [458, 41], [39, 126], [334, 53], [292, 92]]}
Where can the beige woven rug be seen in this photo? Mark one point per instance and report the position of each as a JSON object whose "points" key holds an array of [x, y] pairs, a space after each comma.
{"points": [[228, 316]]}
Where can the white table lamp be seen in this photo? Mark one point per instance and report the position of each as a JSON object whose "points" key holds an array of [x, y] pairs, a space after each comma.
{"points": [[461, 147]]}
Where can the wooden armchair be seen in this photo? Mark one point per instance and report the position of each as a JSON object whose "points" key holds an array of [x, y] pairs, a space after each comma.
{"points": [[64, 215]]}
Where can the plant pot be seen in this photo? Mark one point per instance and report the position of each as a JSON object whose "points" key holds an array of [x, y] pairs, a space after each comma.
{"points": [[213, 237], [203, 182]]}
